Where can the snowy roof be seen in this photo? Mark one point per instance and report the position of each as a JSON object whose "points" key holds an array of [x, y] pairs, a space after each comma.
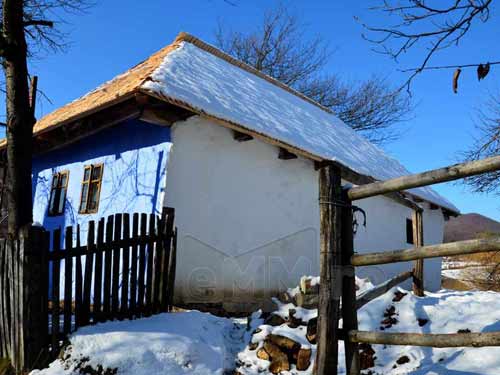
{"points": [[200, 77]]}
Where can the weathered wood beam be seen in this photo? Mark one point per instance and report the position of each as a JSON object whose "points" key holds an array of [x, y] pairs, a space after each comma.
{"points": [[359, 179], [418, 240], [330, 190], [241, 137], [450, 173], [431, 251], [447, 340], [349, 302], [381, 289], [159, 112], [284, 154], [74, 131]]}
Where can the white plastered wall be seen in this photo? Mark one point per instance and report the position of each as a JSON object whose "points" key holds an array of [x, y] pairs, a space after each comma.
{"points": [[248, 222]]}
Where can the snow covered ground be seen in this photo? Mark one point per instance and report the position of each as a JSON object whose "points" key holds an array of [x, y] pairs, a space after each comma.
{"points": [[196, 343], [189, 342]]}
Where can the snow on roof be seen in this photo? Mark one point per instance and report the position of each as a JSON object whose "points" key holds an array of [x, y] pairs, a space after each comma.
{"points": [[217, 87], [198, 76]]}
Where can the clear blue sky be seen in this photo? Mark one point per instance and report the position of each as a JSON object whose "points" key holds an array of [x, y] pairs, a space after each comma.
{"points": [[115, 35]]}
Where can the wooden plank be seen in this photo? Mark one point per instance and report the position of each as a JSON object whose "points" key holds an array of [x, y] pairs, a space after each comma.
{"points": [[115, 286], [4, 327], [380, 289], [447, 340], [158, 264], [68, 280], [284, 154], [142, 265], [79, 313], [106, 303], [429, 251], [150, 265], [241, 137], [450, 173], [89, 266], [133, 266], [172, 266], [330, 190], [56, 270], [349, 309], [97, 307], [167, 232], [124, 311], [418, 268]]}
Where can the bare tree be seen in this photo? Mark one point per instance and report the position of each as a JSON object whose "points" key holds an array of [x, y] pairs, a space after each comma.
{"points": [[486, 144], [278, 48], [27, 26], [431, 25]]}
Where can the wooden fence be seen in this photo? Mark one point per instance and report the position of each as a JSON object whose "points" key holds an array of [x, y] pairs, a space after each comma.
{"points": [[338, 263], [124, 270]]}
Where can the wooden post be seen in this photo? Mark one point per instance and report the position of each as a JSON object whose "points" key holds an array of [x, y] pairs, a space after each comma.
{"points": [[418, 240], [330, 191], [349, 303]]}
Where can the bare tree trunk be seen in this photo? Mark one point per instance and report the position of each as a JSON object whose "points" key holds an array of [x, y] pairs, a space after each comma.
{"points": [[19, 118]]}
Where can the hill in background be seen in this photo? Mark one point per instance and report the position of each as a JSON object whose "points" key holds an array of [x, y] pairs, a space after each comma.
{"points": [[469, 226]]}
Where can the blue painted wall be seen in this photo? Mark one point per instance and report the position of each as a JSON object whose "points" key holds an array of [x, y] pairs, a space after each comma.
{"points": [[134, 154]]}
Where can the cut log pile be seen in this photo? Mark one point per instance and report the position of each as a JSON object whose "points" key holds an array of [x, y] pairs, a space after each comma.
{"points": [[284, 341]]}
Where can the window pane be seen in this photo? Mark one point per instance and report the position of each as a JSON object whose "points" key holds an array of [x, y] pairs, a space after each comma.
{"points": [[55, 180], [96, 172], [52, 201], [62, 197], [86, 174], [94, 186], [63, 180], [83, 203]]}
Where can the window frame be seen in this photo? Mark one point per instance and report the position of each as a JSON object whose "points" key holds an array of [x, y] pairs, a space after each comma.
{"points": [[409, 232], [55, 192], [85, 210]]}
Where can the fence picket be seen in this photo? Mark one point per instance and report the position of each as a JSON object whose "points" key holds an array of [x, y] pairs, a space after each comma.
{"points": [[158, 263], [106, 305], [133, 268], [150, 265], [56, 264], [142, 264], [89, 265], [78, 282], [97, 311], [68, 278], [125, 266], [171, 270], [115, 285]]}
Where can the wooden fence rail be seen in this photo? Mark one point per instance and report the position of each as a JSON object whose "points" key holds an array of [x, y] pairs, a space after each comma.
{"points": [[122, 272], [338, 265], [430, 251], [446, 340], [453, 172]]}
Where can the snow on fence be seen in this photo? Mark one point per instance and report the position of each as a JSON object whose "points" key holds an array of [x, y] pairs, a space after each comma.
{"points": [[124, 271], [338, 263]]}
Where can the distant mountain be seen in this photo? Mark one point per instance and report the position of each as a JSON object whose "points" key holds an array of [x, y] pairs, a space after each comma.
{"points": [[469, 226]]}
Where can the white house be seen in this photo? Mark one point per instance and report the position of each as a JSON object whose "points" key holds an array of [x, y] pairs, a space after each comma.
{"points": [[236, 153]]}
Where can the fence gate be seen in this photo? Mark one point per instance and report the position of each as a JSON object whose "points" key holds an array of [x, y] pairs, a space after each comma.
{"points": [[123, 269], [338, 263]]}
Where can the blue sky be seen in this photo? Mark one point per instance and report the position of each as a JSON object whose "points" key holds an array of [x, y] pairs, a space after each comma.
{"points": [[115, 35]]}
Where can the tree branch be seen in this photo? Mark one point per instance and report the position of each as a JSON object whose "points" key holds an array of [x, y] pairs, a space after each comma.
{"points": [[38, 23]]}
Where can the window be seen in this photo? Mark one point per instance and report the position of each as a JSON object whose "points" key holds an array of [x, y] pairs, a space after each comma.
{"points": [[91, 188], [409, 231], [58, 191]]}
